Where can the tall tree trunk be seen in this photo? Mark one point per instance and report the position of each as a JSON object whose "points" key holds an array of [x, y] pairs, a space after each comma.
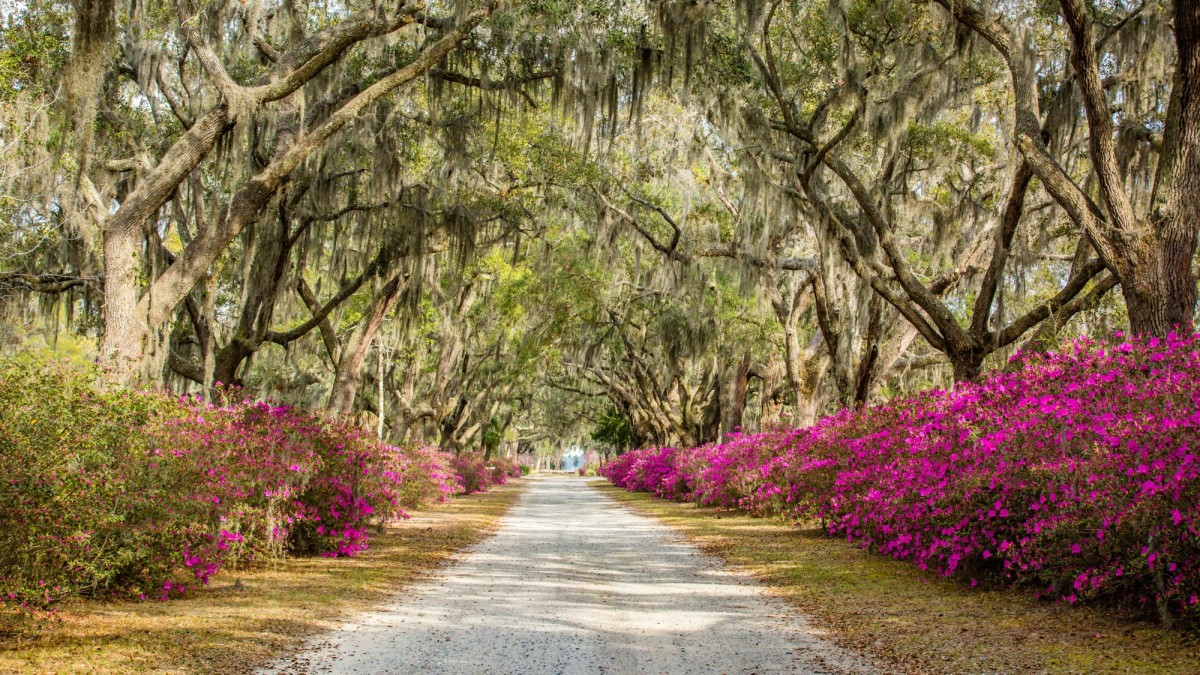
{"points": [[349, 369], [379, 404], [788, 311], [869, 358], [736, 388], [773, 396], [126, 339], [1154, 265], [967, 367], [1162, 295], [126, 335]]}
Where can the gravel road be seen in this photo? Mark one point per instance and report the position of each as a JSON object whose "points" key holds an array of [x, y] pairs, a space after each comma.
{"points": [[573, 582]]}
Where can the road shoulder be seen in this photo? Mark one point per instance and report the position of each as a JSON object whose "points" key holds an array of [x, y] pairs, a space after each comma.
{"points": [[248, 617], [914, 621]]}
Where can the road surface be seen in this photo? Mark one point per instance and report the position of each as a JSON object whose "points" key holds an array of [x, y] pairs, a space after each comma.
{"points": [[574, 582]]}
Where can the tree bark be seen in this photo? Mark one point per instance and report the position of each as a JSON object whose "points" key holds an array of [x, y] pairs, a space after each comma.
{"points": [[349, 369], [738, 386], [126, 335], [1165, 299], [1149, 255], [121, 346]]}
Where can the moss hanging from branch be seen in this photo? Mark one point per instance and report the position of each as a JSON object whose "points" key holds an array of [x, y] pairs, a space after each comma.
{"points": [[91, 50]]}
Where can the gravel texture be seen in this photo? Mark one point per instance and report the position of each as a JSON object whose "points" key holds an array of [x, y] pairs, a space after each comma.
{"points": [[573, 582]]}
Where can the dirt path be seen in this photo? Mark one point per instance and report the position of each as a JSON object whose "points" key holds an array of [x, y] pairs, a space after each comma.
{"points": [[575, 583]]}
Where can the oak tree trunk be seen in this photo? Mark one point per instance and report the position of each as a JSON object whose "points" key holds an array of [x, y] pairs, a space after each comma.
{"points": [[126, 336], [1160, 290], [1160, 296], [349, 369]]}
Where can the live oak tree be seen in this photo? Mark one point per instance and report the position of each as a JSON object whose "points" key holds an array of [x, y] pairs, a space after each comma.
{"points": [[509, 225], [1134, 69], [884, 131]]}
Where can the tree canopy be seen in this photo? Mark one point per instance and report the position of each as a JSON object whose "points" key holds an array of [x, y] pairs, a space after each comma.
{"points": [[510, 223]]}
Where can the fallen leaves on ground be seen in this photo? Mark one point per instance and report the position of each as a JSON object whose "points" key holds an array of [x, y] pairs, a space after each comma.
{"points": [[917, 622], [249, 616]]}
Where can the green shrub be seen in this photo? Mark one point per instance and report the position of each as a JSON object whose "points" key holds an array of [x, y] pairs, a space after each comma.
{"points": [[119, 492]]}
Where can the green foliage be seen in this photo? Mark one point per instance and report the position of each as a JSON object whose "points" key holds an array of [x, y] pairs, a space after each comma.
{"points": [[614, 430], [590, 204], [85, 512], [34, 46], [129, 493], [493, 434]]}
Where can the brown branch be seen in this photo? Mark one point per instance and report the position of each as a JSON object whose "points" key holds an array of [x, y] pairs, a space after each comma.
{"points": [[508, 84], [51, 284], [1009, 220], [1064, 304], [676, 231], [1086, 63], [913, 288], [668, 250], [787, 264]]}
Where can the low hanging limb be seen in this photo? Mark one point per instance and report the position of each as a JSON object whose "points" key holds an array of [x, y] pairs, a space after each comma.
{"points": [[507, 84], [47, 283]]}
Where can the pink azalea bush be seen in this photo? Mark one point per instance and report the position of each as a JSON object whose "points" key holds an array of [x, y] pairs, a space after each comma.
{"points": [[504, 468], [1076, 474], [123, 492], [478, 475], [427, 478]]}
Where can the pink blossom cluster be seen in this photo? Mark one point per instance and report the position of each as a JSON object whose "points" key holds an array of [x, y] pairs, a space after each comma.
{"points": [[122, 492], [478, 475], [1074, 473]]}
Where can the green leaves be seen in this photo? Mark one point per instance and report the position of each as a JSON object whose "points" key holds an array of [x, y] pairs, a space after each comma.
{"points": [[614, 430]]}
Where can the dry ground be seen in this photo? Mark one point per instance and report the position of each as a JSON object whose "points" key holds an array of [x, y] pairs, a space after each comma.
{"points": [[574, 582], [916, 622], [230, 627]]}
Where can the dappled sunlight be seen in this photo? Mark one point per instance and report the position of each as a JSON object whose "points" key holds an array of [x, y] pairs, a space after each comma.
{"points": [[252, 613], [901, 614], [574, 583]]}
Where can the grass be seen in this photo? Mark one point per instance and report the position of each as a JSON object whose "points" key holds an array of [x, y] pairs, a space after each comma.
{"points": [[915, 622], [247, 617]]}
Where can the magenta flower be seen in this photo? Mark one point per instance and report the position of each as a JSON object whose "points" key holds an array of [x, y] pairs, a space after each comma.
{"points": [[998, 479]]}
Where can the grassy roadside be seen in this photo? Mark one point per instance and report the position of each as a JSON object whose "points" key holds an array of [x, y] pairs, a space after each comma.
{"points": [[917, 622], [247, 617]]}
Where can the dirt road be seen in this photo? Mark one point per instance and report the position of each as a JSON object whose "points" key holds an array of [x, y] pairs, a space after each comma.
{"points": [[575, 583]]}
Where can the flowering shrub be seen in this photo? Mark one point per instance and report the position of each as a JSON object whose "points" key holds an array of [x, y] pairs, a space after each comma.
{"points": [[356, 485], [1076, 474], [472, 473], [122, 492], [504, 468], [80, 513], [477, 475], [428, 478]]}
